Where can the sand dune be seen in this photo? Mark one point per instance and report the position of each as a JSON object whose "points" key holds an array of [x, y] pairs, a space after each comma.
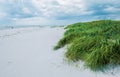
{"points": [[28, 52]]}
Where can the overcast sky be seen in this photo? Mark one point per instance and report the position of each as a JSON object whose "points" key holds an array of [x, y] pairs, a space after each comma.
{"points": [[53, 12]]}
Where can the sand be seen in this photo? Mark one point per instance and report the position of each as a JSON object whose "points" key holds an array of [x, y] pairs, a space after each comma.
{"points": [[28, 52]]}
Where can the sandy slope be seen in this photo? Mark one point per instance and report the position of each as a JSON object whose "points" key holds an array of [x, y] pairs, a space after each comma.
{"points": [[29, 53]]}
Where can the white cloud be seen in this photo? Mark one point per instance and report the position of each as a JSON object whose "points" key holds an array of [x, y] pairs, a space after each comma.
{"points": [[34, 21], [2, 15], [112, 9], [30, 21], [26, 10], [11, 1], [61, 7], [42, 21], [1, 1], [58, 8], [47, 11]]}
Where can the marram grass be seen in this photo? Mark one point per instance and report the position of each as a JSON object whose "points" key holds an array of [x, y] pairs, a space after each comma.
{"points": [[96, 43]]}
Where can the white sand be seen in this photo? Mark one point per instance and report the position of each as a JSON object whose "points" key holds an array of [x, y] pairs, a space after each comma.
{"points": [[28, 52]]}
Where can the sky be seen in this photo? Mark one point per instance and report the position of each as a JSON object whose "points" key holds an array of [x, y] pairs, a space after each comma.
{"points": [[56, 12]]}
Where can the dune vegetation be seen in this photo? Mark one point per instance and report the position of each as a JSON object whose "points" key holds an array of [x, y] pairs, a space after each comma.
{"points": [[96, 43]]}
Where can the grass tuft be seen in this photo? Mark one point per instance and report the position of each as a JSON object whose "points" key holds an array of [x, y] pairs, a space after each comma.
{"points": [[97, 43]]}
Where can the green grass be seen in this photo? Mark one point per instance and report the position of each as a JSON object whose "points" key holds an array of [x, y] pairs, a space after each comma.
{"points": [[96, 43]]}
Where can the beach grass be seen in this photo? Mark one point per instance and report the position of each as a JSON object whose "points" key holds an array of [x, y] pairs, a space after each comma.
{"points": [[96, 43]]}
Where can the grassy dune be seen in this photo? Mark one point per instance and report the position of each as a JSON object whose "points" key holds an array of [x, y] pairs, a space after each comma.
{"points": [[96, 43]]}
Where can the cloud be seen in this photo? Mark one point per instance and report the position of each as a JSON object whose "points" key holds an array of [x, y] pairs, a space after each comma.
{"points": [[2, 15], [17, 8], [26, 10], [44, 21], [61, 8], [66, 10], [112, 9]]}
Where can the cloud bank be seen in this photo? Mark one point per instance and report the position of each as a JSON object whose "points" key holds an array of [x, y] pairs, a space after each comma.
{"points": [[52, 11]]}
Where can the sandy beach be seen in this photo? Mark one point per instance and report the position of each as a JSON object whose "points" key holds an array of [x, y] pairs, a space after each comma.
{"points": [[28, 52]]}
